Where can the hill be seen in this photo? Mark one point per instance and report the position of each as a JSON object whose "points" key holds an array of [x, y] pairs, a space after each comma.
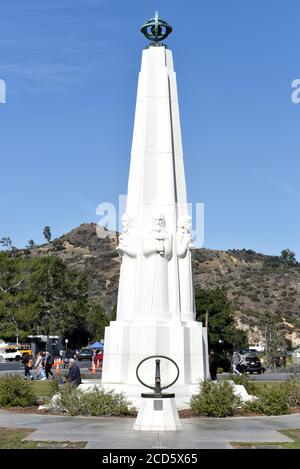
{"points": [[255, 282]]}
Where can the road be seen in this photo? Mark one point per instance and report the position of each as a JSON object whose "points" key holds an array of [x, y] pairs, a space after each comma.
{"points": [[16, 367], [84, 365], [265, 377]]}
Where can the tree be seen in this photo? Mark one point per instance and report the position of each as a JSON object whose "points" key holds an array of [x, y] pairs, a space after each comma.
{"points": [[47, 233], [276, 344], [16, 304], [31, 244], [45, 296], [6, 242], [62, 296], [223, 336], [288, 256], [96, 320]]}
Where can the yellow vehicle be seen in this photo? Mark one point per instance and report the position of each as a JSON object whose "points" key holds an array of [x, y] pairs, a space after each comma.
{"points": [[25, 350]]}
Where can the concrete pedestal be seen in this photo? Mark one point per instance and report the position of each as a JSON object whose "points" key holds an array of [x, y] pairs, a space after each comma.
{"points": [[157, 415]]}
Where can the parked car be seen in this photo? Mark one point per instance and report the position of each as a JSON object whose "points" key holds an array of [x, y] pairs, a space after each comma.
{"points": [[253, 366], [11, 354], [84, 354]]}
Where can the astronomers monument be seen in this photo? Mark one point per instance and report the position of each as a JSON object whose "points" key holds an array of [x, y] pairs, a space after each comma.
{"points": [[156, 311]]}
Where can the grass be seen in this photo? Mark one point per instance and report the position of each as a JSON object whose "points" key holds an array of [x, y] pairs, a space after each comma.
{"points": [[267, 384], [292, 434], [12, 438], [41, 389], [264, 385]]}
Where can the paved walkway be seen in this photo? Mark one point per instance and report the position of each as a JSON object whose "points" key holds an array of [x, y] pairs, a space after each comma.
{"points": [[112, 433]]}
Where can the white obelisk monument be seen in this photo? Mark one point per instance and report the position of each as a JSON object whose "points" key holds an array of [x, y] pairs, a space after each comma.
{"points": [[156, 312]]}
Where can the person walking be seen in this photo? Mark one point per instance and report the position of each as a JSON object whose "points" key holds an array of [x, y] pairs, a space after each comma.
{"points": [[48, 363], [243, 363], [28, 368], [40, 372], [236, 359]]}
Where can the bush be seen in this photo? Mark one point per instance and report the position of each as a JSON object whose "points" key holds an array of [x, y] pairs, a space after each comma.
{"points": [[215, 399], [95, 402], [292, 390], [15, 391], [270, 401]]}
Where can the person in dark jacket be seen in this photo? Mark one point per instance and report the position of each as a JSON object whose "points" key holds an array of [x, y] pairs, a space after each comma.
{"points": [[48, 363], [73, 376], [213, 365]]}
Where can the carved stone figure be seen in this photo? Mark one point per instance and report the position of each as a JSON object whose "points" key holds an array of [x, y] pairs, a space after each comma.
{"points": [[127, 250], [157, 249], [186, 290], [127, 244]]}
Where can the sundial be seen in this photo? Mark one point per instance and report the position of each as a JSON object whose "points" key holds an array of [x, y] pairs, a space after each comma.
{"points": [[156, 29]]}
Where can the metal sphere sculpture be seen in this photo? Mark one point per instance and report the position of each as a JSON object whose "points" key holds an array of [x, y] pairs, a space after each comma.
{"points": [[156, 29], [157, 388]]}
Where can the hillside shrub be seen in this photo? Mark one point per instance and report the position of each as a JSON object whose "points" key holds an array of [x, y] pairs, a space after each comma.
{"points": [[15, 391], [215, 399]]}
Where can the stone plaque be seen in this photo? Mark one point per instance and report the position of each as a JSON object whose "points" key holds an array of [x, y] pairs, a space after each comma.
{"points": [[158, 404]]}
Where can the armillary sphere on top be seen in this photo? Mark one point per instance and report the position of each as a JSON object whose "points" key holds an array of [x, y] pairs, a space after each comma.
{"points": [[156, 29]]}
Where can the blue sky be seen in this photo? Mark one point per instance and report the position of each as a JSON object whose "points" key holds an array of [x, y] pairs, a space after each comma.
{"points": [[71, 70]]}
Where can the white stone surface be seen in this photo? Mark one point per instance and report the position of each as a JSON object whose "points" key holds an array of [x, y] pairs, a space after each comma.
{"points": [[239, 390], [156, 312], [149, 419]]}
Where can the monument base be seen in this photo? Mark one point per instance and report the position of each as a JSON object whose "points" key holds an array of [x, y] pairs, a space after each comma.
{"points": [[128, 343], [158, 415]]}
